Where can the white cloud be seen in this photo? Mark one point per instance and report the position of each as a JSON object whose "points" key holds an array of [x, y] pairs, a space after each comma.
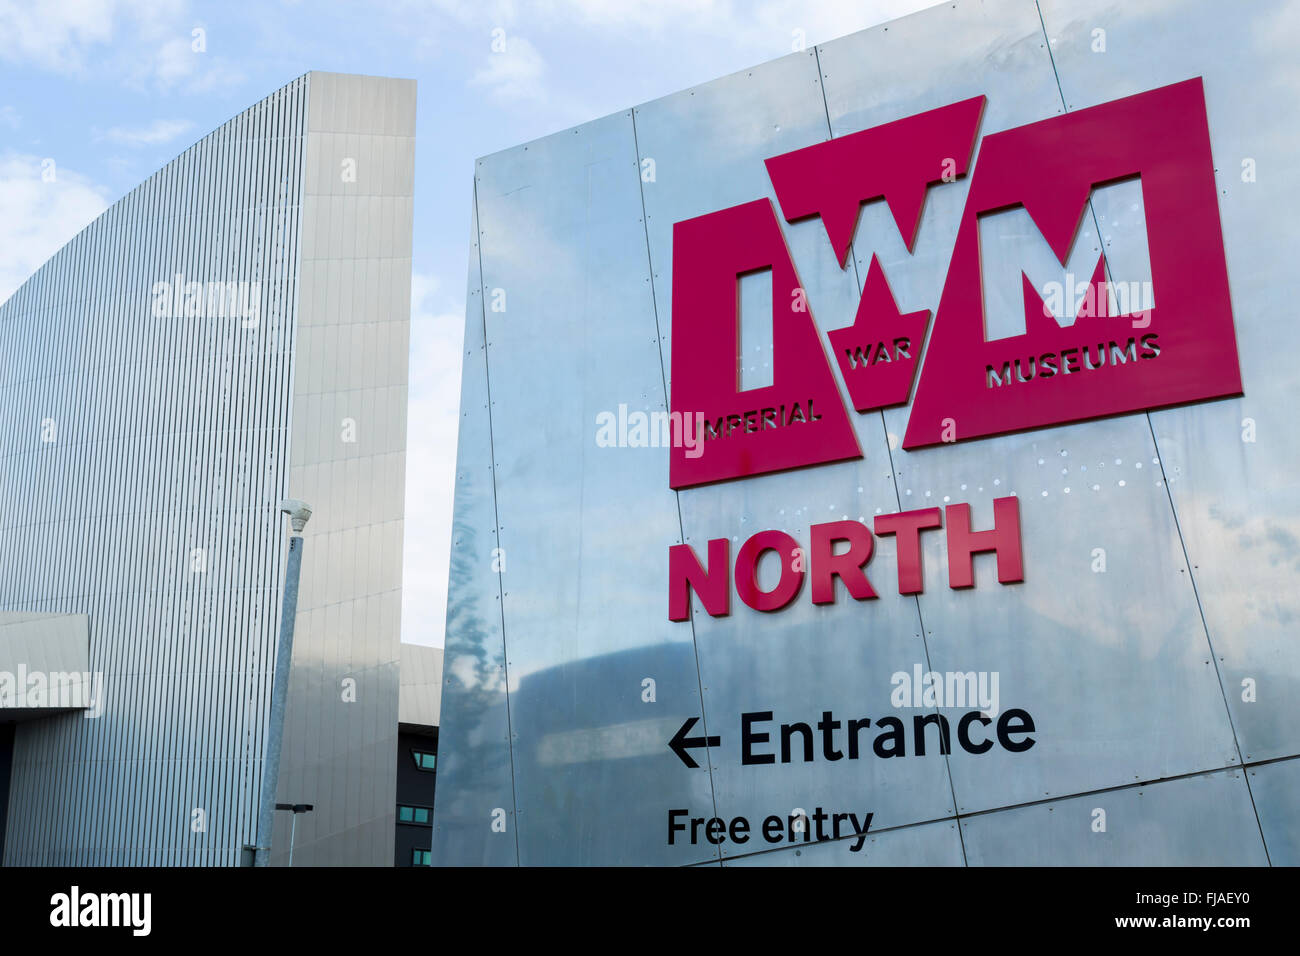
{"points": [[144, 43], [175, 63], [433, 415], [37, 217], [157, 132], [175, 60], [768, 25], [496, 12], [54, 34], [217, 74], [515, 74]]}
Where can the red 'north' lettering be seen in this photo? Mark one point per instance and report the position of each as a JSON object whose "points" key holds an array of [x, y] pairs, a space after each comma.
{"points": [[712, 585]]}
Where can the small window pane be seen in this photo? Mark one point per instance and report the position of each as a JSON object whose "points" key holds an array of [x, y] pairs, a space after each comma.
{"points": [[424, 760], [421, 815], [404, 814]]}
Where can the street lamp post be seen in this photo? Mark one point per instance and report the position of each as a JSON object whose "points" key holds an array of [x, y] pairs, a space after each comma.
{"points": [[297, 808], [298, 512]]}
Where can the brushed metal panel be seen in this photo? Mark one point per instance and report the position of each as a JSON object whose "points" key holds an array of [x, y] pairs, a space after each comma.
{"points": [[421, 679], [49, 644], [475, 773], [925, 844], [340, 749], [1067, 641], [1205, 820], [1275, 789], [708, 145], [1237, 501], [561, 234], [1114, 664]]}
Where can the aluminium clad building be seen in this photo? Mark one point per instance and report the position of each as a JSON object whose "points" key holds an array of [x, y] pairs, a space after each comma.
{"points": [[232, 332]]}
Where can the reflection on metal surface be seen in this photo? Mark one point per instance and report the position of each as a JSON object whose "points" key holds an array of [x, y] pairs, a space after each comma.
{"points": [[1274, 788], [1140, 532], [927, 844], [633, 738], [1194, 821], [1230, 466], [474, 803]]}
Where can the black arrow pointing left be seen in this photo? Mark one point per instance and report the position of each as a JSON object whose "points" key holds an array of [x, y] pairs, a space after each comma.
{"points": [[680, 743]]}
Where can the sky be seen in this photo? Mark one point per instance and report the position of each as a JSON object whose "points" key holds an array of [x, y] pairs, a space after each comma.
{"points": [[109, 91]]}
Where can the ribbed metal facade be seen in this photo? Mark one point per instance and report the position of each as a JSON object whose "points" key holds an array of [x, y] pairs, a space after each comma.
{"points": [[144, 449]]}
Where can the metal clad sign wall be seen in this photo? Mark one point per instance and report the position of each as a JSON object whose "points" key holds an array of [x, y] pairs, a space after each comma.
{"points": [[1149, 645]]}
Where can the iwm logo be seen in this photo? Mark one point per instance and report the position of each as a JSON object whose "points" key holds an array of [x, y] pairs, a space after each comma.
{"points": [[1007, 352]]}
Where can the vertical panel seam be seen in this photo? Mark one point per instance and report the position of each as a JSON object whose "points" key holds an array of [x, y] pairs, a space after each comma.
{"points": [[1173, 510], [893, 477], [677, 495], [496, 515]]}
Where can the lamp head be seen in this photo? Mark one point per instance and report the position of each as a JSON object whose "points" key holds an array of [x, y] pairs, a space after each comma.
{"points": [[298, 512]]}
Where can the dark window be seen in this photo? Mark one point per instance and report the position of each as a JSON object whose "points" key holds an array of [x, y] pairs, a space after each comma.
{"points": [[425, 760], [418, 815]]}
